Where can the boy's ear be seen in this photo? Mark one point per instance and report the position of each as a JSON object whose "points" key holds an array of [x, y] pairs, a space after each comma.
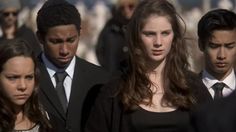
{"points": [[40, 38]]}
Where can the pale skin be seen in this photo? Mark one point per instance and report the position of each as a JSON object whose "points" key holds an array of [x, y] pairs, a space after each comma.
{"points": [[158, 41], [17, 81], [220, 53]]}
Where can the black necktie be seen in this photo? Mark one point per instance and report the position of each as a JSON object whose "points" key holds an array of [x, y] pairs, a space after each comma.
{"points": [[218, 87], [60, 77]]}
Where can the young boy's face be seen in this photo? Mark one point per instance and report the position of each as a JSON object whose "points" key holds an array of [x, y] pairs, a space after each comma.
{"points": [[60, 44], [220, 53]]}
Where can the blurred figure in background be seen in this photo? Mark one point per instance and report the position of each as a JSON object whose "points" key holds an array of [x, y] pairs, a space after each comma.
{"points": [[111, 47], [9, 10]]}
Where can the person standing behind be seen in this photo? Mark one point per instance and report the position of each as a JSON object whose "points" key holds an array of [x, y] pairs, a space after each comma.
{"points": [[20, 109], [9, 10], [66, 79], [153, 94], [216, 32], [112, 48]]}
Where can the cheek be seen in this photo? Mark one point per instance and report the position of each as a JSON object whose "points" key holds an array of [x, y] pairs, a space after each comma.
{"points": [[73, 47], [7, 88], [31, 87], [52, 50]]}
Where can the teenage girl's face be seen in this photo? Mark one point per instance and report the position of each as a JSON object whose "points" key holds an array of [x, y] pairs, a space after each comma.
{"points": [[157, 36], [17, 79]]}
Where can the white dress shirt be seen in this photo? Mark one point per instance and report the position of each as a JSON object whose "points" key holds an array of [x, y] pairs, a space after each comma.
{"points": [[229, 82], [69, 70]]}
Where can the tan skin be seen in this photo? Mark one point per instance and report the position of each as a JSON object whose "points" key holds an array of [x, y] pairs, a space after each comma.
{"points": [[17, 81], [220, 53], [60, 44]]}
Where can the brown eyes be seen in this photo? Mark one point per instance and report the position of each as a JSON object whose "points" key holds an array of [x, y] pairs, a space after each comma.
{"points": [[228, 46], [58, 41]]}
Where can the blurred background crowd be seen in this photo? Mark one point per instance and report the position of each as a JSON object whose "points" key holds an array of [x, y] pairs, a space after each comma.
{"points": [[96, 13]]}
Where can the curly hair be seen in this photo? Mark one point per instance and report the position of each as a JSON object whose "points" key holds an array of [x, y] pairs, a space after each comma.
{"points": [[136, 85], [32, 108]]}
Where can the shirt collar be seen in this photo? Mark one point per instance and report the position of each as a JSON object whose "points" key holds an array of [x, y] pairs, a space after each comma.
{"points": [[209, 80], [51, 68]]}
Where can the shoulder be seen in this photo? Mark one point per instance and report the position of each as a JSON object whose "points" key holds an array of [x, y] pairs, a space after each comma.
{"points": [[89, 67]]}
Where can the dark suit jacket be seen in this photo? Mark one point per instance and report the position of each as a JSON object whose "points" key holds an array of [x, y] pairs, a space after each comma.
{"points": [[216, 116], [87, 77], [200, 90]]}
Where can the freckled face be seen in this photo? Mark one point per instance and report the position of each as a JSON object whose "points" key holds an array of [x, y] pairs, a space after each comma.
{"points": [[157, 36], [60, 44], [17, 79]]}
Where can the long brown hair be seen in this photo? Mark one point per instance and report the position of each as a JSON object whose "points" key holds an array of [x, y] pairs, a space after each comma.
{"points": [[135, 87], [32, 108]]}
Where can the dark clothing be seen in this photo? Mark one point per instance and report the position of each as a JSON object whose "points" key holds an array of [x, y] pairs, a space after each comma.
{"points": [[108, 115], [173, 121], [87, 78], [200, 90], [216, 116], [111, 47], [28, 35]]}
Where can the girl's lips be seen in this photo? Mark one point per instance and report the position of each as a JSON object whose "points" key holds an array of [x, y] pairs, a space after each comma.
{"points": [[157, 52], [21, 96]]}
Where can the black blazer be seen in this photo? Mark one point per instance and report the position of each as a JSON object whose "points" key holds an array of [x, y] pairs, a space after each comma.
{"points": [[200, 90], [216, 116], [87, 77]]}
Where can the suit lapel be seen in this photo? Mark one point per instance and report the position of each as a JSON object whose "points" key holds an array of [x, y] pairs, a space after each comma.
{"points": [[204, 89], [49, 91], [78, 90]]}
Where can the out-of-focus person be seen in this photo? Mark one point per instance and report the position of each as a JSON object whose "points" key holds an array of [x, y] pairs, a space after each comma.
{"points": [[9, 10], [111, 48]]}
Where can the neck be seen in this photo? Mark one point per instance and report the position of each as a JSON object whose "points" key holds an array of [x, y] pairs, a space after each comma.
{"points": [[9, 31], [22, 122], [219, 76]]}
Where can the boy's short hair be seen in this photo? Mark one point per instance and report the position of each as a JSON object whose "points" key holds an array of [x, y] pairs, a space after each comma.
{"points": [[57, 12]]}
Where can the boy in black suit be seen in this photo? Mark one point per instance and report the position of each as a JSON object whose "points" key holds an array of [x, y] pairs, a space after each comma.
{"points": [[217, 40], [66, 80], [216, 32]]}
